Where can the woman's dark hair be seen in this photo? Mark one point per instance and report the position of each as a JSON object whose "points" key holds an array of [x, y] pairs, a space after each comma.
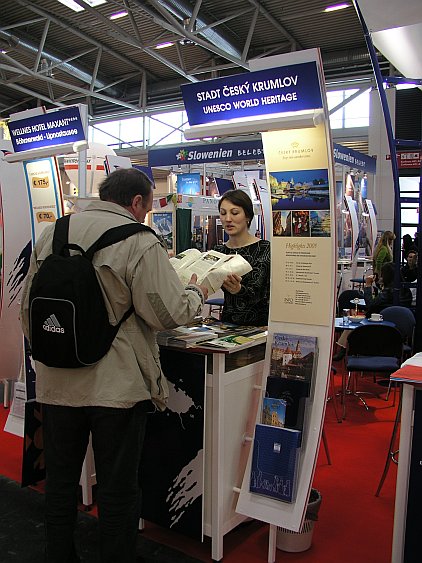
{"points": [[241, 199], [122, 185]]}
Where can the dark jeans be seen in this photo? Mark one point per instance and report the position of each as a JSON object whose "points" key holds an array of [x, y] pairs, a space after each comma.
{"points": [[117, 437]]}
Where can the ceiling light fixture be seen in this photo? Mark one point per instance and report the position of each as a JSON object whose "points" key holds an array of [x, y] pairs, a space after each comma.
{"points": [[336, 7], [164, 45], [72, 5], [76, 8], [118, 15]]}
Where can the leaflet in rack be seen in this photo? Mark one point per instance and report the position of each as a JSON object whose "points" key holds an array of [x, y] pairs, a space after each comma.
{"points": [[211, 267], [293, 356], [274, 462]]}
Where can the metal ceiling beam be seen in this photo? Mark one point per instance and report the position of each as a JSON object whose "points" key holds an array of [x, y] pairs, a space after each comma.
{"points": [[295, 43], [66, 85], [250, 35], [33, 94], [73, 29], [174, 25], [118, 32]]}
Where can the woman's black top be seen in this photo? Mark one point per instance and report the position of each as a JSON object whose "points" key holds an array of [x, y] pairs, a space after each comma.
{"points": [[250, 306]]}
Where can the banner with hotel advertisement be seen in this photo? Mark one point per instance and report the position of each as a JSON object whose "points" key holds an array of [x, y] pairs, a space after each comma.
{"points": [[37, 188]]}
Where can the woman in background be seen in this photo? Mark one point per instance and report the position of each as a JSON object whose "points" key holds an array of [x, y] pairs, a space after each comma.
{"points": [[383, 252], [246, 299]]}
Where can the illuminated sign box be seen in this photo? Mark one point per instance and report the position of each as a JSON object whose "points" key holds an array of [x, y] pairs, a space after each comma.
{"points": [[291, 88], [47, 130]]}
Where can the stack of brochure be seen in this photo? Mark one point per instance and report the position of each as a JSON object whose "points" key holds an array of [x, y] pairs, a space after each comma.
{"points": [[183, 336]]}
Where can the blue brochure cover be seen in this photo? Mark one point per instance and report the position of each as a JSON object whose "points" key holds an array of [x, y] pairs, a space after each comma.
{"points": [[274, 462]]}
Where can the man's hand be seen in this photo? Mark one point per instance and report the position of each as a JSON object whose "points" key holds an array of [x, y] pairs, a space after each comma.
{"points": [[232, 283], [369, 280], [203, 288]]}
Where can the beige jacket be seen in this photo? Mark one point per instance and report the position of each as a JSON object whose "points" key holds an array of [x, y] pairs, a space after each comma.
{"points": [[134, 270]]}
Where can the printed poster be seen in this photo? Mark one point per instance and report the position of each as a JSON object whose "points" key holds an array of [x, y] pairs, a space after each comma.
{"points": [[43, 192], [302, 199], [162, 223]]}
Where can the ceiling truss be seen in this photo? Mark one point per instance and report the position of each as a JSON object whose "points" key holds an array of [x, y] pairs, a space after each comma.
{"points": [[52, 56]]}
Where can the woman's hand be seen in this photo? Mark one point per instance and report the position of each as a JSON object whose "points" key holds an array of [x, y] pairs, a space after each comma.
{"points": [[232, 283]]}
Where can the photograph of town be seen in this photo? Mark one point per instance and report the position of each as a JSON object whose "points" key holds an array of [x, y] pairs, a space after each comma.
{"points": [[293, 356], [300, 189]]}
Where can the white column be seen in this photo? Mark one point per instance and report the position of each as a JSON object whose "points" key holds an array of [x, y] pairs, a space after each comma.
{"points": [[383, 188]]}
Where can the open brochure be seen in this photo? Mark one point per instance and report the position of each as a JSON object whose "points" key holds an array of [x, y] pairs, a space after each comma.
{"points": [[211, 267]]}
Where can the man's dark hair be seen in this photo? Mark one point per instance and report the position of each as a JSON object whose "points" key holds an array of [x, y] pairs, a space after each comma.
{"points": [[241, 199], [387, 274], [122, 185]]}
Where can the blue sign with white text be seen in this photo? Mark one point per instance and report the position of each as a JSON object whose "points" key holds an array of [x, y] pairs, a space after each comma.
{"points": [[215, 152], [274, 90], [47, 130], [354, 159]]}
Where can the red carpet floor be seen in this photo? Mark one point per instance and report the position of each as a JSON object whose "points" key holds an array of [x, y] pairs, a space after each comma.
{"points": [[353, 526]]}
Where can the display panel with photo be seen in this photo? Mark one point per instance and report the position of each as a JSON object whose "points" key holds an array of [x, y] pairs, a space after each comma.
{"points": [[300, 189]]}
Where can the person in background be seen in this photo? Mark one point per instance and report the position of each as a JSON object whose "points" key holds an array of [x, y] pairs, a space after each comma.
{"points": [[409, 272], [416, 240], [246, 299], [407, 244], [110, 399], [383, 252]]}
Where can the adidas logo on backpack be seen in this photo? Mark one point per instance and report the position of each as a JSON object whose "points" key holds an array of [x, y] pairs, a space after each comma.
{"points": [[66, 288], [52, 325]]}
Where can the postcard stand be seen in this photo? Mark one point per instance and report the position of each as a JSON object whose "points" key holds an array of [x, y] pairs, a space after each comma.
{"points": [[298, 154]]}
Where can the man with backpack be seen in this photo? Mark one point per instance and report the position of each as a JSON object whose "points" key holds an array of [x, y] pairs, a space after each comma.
{"points": [[106, 396]]}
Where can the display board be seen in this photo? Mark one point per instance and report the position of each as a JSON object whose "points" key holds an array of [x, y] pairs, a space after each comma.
{"points": [[15, 252], [284, 98]]}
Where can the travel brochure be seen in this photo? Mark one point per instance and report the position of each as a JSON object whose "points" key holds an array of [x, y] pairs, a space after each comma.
{"points": [[273, 411], [293, 356], [211, 267]]}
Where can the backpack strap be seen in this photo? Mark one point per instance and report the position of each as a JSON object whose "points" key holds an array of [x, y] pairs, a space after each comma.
{"points": [[117, 234], [61, 236]]}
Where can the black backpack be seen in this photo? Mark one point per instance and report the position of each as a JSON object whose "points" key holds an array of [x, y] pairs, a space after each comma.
{"points": [[68, 320]]}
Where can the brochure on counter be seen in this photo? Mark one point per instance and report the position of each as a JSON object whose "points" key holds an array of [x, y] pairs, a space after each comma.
{"points": [[211, 333], [211, 267]]}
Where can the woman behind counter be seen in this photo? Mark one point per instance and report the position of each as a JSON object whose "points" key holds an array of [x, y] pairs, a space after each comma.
{"points": [[246, 299]]}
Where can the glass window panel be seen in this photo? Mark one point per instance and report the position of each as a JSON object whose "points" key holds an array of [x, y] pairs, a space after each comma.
{"points": [[356, 112], [162, 134], [102, 135], [409, 216], [409, 184], [131, 130]]}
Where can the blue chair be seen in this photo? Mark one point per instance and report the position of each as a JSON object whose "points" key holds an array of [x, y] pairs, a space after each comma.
{"points": [[372, 348], [215, 304], [405, 321]]}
